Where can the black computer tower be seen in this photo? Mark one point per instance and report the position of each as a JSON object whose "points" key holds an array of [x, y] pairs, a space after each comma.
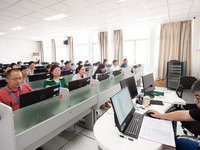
{"points": [[175, 69]]}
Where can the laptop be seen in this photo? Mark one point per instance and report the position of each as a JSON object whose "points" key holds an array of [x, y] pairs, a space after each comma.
{"points": [[126, 119]]}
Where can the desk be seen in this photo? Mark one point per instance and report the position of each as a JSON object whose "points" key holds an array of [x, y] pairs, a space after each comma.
{"points": [[36, 124], [108, 88], [107, 134], [36, 84]]}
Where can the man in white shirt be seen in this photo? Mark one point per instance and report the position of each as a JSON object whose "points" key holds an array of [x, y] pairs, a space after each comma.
{"points": [[115, 66]]}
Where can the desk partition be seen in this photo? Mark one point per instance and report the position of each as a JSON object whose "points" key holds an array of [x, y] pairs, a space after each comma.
{"points": [[68, 78], [36, 84], [36, 124], [108, 88]]}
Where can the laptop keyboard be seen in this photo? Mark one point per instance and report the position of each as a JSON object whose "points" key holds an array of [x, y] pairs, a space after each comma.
{"points": [[133, 129]]}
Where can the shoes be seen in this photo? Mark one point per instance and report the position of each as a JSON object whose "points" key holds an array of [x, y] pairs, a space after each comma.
{"points": [[107, 105], [104, 107]]}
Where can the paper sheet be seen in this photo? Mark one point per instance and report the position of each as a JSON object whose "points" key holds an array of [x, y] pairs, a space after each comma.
{"points": [[160, 131]]}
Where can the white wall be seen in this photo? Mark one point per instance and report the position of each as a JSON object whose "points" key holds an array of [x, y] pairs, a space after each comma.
{"points": [[13, 50], [195, 55]]}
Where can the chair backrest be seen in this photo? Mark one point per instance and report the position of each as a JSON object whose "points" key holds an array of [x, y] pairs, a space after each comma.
{"points": [[187, 81]]}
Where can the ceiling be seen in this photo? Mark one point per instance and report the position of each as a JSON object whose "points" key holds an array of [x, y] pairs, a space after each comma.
{"points": [[87, 15]]}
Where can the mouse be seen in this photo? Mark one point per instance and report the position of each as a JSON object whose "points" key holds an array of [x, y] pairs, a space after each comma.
{"points": [[149, 114]]}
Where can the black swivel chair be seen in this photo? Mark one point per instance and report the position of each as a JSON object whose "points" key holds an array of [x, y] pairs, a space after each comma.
{"points": [[184, 91]]}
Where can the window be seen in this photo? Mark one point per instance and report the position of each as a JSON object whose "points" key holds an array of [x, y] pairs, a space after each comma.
{"points": [[62, 53], [96, 53], [47, 50], [81, 53], [142, 51], [128, 51]]}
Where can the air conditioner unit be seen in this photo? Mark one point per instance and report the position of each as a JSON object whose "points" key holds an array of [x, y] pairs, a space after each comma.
{"points": [[36, 56]]}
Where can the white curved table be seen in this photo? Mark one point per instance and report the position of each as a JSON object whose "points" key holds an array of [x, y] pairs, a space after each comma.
{"points": [[107, 136]]}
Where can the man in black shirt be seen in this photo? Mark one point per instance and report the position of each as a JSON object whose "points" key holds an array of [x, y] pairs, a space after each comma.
{"points": [[184, 115]]}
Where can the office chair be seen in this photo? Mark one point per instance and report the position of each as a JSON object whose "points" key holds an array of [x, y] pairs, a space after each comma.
{"points": [[184, 91]]}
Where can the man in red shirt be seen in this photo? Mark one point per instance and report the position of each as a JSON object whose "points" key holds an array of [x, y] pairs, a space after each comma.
{"points": [[9, 95]]}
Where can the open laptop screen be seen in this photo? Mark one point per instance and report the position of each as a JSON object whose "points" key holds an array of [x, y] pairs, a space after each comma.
{"points": [[122, 105]]}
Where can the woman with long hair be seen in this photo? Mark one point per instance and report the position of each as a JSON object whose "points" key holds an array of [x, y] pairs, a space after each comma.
{"points": [[54, 78]]}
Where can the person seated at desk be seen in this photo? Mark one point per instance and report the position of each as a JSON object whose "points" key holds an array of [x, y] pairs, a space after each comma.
{"points": [[48, 68], [87, 62], [24, 71], [115, 66], [125, 63], [80, 73], [19, 64], [55, 78], [62, 64], [105, 62], [31, 67], [184, 115], [9, 95], [13, 65], [95, 67], [39, 62], [67, 66], [100, 70], [5, 71]]}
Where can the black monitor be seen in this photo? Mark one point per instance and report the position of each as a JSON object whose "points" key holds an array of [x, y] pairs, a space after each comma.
{"points": [[67, 72], [41, 70], [86, 65], [1, 71], [39, 67], [148, 84], [3, 83], [87, 69], [54, 63], [36, 96], [36, 77], [130, 83], [117, 72], [25, 63], [78, 83], [45, 63], [104, 76], [109, 65]]}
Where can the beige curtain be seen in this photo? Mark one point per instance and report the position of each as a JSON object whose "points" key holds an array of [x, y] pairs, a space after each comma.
{"points": [[103, 45], [71, 48], [175, 44], [118, 45], [53, 50], [41, 49]]}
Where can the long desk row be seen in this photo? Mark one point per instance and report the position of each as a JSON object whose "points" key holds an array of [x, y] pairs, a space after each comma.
{"points": [[32, 126]]}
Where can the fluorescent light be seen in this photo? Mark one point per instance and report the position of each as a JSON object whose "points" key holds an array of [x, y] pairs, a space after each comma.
{"points": [[120, 1], [1, 33], [17, 28], [56, 17]]}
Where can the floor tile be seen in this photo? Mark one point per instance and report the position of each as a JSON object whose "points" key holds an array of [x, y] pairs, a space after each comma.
{"points": [[80, 142], [76, 128], [88, 133]]}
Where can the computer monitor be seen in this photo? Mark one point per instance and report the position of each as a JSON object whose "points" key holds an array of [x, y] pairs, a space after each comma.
{"points": [[148, 84], [117, 72], [54, 63], [130, 83], [39, 70], [39, 67], [109, 65], [78, 83], [104, 76], [36, 96], [36, 77], [86, 65], [123, 107], [67, 72], [3, 83], [87, 69]]}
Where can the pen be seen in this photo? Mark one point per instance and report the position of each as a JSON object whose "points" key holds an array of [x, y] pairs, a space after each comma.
{"points": [[140, 107]]}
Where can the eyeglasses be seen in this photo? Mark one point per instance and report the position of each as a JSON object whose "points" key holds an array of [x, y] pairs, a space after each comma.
{"points": [[57, 70], [16, 79], [197, 97]]}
